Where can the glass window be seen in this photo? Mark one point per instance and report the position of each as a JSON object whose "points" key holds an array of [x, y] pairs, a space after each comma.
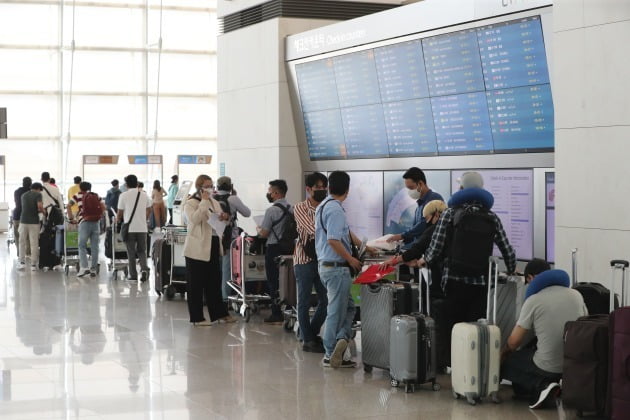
{"points": [[103, 26], [29, 158], [29, 70], [31, 115], [107, 116], [170, 149], [105, 71], [200, 33], [29, 24], [183, 73], [184, 117]]}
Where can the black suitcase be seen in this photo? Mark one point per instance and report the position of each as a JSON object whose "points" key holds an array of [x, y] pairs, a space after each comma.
{"points": [[48, 257], [379, 302], [161, 256], [596, 296]]}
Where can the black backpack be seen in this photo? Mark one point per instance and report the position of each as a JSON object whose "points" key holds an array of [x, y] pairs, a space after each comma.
{"points": [[228, 233], [471, 240], [55, 215], [290, 234]]}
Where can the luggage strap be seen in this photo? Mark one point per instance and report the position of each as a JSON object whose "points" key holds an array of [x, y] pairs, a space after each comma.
{"points": [[408, 299]]}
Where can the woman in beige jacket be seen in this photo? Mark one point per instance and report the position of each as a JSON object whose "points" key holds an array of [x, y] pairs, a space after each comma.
{"points": [[202, 250]]}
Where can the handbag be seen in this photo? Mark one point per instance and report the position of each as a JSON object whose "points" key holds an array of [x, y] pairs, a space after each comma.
{"points": [[124, 229]]}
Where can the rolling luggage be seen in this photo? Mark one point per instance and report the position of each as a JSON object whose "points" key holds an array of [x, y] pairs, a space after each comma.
{"points": [[586, 359], [619, 379], [48, 257], [412, 348], [596, 296], [162, 264], [287, 282], [510, 297], [379, 302], [476, 352]]}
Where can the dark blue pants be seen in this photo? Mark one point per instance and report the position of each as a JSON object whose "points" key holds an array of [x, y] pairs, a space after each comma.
{"points": [[273, 276], [307, 277]]}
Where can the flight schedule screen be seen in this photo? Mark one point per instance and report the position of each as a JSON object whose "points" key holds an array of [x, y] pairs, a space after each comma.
{"points": [[481, 90]]}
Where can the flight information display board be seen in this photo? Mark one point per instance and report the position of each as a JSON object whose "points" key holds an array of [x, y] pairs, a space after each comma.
{"points": [[480, 90], [513, 191], [364, 204]]}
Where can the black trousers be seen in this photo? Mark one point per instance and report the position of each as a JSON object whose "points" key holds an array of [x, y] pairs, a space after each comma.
{"points": [[203, 279], [527, 378], [273, 276]]}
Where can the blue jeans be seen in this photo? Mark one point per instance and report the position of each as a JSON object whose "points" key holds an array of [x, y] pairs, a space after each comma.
{"points": [[340, 314], [89, 231], [307, 277]]}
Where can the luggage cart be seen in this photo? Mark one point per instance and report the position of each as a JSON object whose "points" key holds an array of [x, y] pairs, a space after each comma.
{"points": [[115, 248], [288, 291], [245, 266], [70, 246], [175, 237]]}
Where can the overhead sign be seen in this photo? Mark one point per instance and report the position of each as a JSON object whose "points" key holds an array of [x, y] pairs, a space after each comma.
{"points": [[100, 159], [145, 159], [194, 159]]}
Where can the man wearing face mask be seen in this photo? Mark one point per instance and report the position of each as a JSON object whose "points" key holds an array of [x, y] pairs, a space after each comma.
{"points": [[416, 183], [272, 228], [305, 264]]}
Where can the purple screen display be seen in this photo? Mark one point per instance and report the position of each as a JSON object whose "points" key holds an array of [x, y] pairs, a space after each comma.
{"points": [[550, 198], [513, 203]]}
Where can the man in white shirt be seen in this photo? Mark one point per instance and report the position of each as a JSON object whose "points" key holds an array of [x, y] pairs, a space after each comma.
{"points": [[137, 238], [51, 196]]}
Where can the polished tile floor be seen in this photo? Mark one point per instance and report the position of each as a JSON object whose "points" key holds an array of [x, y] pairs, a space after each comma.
{"points": [[104, 349]]}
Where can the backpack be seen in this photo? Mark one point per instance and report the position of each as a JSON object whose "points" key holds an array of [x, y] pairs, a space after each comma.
{"points": [[289, 234], [91, 209], [228, 233], [471, 241]]}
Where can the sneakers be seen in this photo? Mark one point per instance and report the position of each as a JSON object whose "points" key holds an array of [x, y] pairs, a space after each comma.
{"points": [[83, 273], [33, 267], [21, 266], [344, 363], [313, 347], [144, 276], [92, 272], [274, 319], [227, 319], [547, 395], [336, 358], [204, 323]]}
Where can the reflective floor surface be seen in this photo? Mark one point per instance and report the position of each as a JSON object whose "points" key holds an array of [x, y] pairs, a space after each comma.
{"points": [[107, 349]]}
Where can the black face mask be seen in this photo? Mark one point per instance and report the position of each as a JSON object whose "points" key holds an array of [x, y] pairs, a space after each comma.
{"points": [[269, 198], [319, 195]]}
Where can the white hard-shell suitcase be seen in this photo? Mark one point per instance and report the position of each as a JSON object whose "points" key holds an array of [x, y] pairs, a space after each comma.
{"points": [[476, 353]]}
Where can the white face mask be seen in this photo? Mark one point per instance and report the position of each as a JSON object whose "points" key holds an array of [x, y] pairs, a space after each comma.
{"points": [[414, 194]]}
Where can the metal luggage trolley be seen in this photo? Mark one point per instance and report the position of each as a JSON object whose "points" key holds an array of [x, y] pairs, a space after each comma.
{"points": [[70, 246], [175, 236], [245, 266], [115, 248]]}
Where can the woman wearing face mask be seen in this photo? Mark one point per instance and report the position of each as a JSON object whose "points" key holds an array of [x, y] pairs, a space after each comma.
{"points": [[203, 250], [431, 212]]}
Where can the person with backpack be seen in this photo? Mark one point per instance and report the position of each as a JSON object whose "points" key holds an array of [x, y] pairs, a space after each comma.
{"points": [[305, 265], [52, 201], [111, 199], [278, 226], [17, 211], [32, 214], [91, 210], [230, 204], [465, 235]]}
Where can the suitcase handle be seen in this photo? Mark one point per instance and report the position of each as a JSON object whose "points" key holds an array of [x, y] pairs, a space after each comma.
{"points": [[628, 367], [619, 263], [426, 280], [574, 266], [493, 262]]}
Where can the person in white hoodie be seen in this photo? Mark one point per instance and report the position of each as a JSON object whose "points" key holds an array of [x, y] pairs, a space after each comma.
{"points": [[203, 250]]}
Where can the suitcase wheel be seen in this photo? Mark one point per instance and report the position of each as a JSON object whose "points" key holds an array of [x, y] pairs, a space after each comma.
{"points": [[395, 383], [455, 395], [471, 400], [367, 368], [170, 292], [288, 324], [410, 388], [495, 398], [436, 386]]}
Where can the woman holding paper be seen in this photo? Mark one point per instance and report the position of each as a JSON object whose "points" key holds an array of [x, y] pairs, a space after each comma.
{"points": [[202, 250]]}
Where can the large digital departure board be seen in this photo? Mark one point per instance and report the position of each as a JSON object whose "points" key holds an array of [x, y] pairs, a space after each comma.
{"points": [[479, 90]]}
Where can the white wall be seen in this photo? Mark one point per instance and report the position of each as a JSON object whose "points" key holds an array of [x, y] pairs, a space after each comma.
{"points": [[592, 109], [257, 138]]}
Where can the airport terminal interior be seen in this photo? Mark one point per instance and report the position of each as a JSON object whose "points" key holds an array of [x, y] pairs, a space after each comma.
{"points": [[529, 94]]}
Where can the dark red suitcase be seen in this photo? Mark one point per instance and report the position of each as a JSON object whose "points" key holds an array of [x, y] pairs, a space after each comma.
{"points": [[619, 373]]}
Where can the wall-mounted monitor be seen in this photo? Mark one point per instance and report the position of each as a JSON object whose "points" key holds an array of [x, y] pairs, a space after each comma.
{"points": [[364, 204], [481, 90], [513, 192], [399, 208], [550, 215]]}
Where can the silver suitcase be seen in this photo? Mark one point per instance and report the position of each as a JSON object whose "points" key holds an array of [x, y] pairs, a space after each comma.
{"points": [[510, 297], [379, 302]]}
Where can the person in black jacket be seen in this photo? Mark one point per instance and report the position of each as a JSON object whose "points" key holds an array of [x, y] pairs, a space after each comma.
{"points": [[17, 211], [431, 213]]}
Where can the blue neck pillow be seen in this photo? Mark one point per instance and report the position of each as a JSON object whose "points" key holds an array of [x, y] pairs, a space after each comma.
{"points": [[546, 279], [470, 195]]}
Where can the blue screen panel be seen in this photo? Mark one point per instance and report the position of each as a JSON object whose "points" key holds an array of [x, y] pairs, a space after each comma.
{"points": [[316, 82], [453, 64], [401, 72], [410, 129], [324, 133], [357, 82], [364, 128], [461, 123], [521, 118]]}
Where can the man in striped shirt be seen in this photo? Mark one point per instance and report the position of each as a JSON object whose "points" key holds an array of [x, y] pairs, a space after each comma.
{"points": [[305, 263]]}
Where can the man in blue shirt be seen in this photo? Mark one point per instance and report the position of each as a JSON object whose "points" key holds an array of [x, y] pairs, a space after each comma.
{"points": [[334, 256], [416, 183]]}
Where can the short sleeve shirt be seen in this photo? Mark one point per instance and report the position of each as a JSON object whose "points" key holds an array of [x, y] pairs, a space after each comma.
{"points": [[126, 202], [30, 212], [274, 221], [331, 223]]}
